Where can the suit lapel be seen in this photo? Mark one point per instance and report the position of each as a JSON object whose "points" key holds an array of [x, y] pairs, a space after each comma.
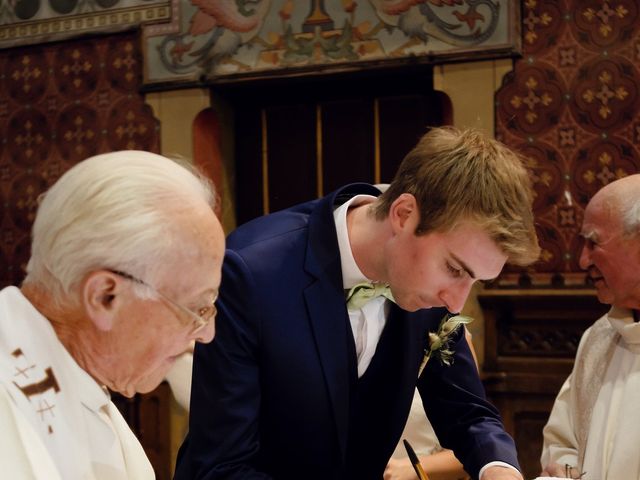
{"points": [[327, 316], [326, 305]]}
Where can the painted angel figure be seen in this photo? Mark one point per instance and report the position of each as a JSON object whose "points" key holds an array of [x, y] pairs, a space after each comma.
{"points": [[225, 25]]}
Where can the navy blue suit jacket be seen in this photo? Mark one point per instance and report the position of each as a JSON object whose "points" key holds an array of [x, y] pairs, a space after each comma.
{"points": [[273, 395]]}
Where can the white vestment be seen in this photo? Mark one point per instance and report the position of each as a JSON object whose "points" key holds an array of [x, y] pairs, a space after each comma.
{"points": [[418, 432], [56, 422], [612, 433]]}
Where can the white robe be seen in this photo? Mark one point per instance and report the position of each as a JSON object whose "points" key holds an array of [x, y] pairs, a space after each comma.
{"points": [[611, 451], [56, 422], [418, 432]]}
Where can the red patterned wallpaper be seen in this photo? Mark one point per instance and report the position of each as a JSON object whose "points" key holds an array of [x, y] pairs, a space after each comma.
{"points": [[59, 104], [571, 106]]}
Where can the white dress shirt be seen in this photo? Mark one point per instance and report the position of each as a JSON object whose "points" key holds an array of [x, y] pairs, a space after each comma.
{"points": [[367, 322]]}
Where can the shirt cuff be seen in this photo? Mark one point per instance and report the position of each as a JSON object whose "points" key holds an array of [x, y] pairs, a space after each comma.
{"points": [[496, 464]]}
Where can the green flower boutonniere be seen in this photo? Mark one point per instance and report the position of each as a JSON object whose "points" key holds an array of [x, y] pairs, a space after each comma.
{"points": [[439, 342]]}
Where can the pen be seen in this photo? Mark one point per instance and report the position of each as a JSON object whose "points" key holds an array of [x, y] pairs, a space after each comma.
{"points": [[415, 462]]}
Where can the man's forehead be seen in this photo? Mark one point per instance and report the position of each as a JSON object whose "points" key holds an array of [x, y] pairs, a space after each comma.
{"points": [[601, 213], [601, 234]]}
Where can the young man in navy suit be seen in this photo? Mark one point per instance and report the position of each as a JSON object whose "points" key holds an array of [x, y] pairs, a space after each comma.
{"points": [[301, 385]]}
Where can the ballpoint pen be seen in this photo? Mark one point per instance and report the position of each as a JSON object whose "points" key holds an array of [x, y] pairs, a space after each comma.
{"points": [[415, 462]]}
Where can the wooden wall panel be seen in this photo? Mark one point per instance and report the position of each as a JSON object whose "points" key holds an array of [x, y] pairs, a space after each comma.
{"points": [[206, 152], [531, 339], [348, 140], [248, 147], [403, 120], [322, 134], [291, 154], [148, 416]]}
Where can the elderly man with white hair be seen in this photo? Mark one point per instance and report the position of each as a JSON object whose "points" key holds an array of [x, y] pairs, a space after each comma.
{"points": [[123, 276], [592, 432]]}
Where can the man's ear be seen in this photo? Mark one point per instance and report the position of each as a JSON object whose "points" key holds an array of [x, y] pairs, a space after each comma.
{"points": [[403, 212], [102, 298]]}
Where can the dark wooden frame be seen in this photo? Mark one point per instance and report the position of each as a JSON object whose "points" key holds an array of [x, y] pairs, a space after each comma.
{"points": [[531, 339]]}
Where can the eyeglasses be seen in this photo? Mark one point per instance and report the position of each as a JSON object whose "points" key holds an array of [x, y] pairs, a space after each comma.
{"points": [[200, 319]]}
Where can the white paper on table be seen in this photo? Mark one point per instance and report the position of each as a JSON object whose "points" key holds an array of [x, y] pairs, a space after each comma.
{"points": [[551, 478]]}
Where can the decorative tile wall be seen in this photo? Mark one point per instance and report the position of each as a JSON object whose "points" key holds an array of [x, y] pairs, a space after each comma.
{"points": [[571, 107], [59, 104], [29, 22]]}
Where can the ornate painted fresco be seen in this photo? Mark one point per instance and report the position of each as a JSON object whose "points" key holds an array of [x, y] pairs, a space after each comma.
{"points": [[34, 21], [213, 40], [571, 106], [61, 103]]}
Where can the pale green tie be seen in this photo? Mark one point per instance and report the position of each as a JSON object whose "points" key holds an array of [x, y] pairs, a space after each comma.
{"points": [[363, 292]]}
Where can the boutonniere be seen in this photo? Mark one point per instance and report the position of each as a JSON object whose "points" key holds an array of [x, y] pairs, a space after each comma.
{"points": [[438, 343]]}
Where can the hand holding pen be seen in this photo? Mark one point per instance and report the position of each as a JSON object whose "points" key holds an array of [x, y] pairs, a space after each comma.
{"points": [[422, 475]]}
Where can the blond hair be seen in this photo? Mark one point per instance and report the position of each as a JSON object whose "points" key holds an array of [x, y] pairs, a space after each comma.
{"points": [[463, 175]]}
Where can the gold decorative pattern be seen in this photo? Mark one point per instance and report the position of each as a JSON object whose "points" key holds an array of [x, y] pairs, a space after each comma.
{"points": [[26, 74], [532, 100], [532, 20], [603, 15], [605, 174], [572, 107], [605, 94], [59, 104], [66, 26]]}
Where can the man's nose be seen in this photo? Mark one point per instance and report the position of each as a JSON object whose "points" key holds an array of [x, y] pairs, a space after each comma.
{"points": [[207, 333], [454, 298], [585, 258]]}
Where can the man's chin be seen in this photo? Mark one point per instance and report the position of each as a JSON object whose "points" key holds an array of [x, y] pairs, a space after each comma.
{"points": [[413, 306], [603, 293], [149, 383], [126, 390], [145, 387]]}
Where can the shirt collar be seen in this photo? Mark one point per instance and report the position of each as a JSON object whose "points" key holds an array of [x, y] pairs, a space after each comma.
{"points": [[351, 273], [621, 320]]}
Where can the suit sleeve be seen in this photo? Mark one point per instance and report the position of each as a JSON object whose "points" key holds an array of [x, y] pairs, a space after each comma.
{"points": [[223, 438], [462, 417]]}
